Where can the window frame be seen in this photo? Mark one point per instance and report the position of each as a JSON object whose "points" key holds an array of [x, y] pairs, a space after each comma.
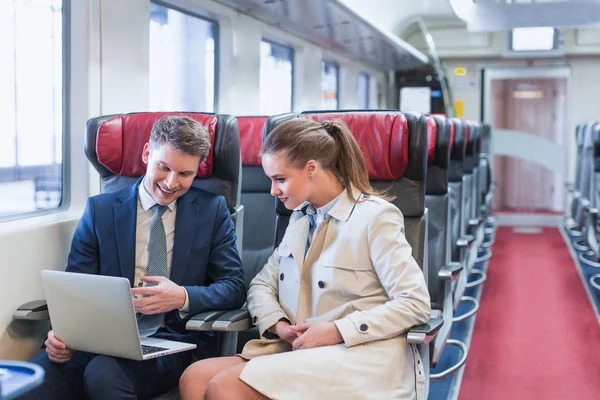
{"points": [[337, 79], [293, 71], [216, 38], [368, 86], [65, 200]]}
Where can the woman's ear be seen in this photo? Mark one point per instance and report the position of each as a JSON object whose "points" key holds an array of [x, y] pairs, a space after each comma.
{"points": [[311, 169]]}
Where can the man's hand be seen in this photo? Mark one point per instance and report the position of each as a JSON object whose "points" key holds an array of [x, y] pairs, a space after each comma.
{"points": [[57, 350], [163, 297], [282, 329], [316, 334]]}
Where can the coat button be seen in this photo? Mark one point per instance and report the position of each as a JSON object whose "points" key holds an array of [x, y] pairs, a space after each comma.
{"points": [[321, 284], [281, 276], [364, 328]]}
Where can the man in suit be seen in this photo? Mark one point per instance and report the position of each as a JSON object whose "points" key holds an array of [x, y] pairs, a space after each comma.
{"points": [[128, 233]]}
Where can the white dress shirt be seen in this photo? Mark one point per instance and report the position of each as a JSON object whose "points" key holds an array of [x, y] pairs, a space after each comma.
{"points": [[142, 237]]}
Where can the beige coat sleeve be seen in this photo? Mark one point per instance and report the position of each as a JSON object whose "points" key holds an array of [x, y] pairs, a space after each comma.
{"points": [[263, 296], [402, 279]]}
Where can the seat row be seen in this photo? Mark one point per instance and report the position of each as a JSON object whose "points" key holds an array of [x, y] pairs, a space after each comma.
{"points": [[437, 168], [584, 221]]}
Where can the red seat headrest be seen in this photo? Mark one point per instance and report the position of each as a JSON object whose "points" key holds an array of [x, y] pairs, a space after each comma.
{"points": [[251, 135], [120, 141], [431, 139], [382, 137]]}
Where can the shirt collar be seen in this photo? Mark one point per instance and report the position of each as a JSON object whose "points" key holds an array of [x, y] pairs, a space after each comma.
{"points": [[146, 199], [325, 209]]}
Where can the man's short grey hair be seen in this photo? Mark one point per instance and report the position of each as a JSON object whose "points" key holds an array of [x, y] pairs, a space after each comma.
{"points": [[182, 133]]}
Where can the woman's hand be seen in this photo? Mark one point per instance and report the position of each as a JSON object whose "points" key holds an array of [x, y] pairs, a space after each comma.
{"points": [[316, 334], [282, 329]]}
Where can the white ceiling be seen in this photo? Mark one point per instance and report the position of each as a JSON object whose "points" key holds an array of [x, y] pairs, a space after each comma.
{"points": [[393, 15]]}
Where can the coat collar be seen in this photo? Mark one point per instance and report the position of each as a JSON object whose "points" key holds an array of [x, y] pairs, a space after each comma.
{"points": [[342, 209], [297, 232]]}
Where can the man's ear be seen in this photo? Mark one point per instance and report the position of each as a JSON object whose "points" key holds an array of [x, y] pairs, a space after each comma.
{"points": [[146, 153]]}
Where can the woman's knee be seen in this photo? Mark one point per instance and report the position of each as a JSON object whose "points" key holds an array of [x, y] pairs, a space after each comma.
{"points": [[227, 385], [219, 386], [193, 381]]}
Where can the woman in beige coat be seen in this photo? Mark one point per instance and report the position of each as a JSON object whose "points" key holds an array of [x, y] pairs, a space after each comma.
{"points": [[335, 299]]}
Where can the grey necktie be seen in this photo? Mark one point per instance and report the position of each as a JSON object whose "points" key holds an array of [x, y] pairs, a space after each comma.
{"points": [[157, 266]]}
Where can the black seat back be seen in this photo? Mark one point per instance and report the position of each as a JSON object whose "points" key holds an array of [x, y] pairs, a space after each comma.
{"points": [[259, 211], [395, 148]]}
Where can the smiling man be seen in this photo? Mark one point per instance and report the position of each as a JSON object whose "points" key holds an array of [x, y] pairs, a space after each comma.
{"points": [[176, 245]]}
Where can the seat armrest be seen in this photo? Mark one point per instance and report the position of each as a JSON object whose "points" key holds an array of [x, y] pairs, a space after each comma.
{"points": [[233, 321], [450, 271], [423, 334], [475, 221], [33, 310], [203, 321], [465, 241], [474, 224]]}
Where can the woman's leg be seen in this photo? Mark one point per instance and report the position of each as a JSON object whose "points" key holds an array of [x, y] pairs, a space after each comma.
{"points": [[194, 381], [227, 385]]}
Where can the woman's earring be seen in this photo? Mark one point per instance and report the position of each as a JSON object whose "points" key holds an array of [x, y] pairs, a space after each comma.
{"points": [[312, 178]]}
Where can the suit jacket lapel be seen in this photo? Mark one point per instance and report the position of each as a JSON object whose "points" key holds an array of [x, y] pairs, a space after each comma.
{"points": [[125, 218], [186, 223]]}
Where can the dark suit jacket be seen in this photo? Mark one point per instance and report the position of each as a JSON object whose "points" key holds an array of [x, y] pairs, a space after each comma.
{"points": [[205, 259]]}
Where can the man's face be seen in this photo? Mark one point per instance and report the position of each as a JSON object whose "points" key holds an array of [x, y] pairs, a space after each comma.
{"points": [[169, 173]]}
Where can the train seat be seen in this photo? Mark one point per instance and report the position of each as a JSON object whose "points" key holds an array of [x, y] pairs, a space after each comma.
{"points": [[575, 187], [113, 145], [440, 269], [486, 185], [583, 190], [474, 221], [588, 218], [460, 242], [395, 148], [259, 218]]}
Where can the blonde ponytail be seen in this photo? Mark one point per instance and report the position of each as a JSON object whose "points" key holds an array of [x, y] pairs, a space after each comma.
{"points": [[330, 143]]}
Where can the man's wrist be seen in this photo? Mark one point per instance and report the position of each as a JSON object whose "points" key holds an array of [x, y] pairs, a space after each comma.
{"points": [[182, 297]]}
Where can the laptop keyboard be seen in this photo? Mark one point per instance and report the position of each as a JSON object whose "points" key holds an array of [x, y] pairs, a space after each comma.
{"points": [[151, 349]]}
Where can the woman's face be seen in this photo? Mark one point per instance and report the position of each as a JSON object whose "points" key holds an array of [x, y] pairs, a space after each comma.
{"points": [[292, 185]]}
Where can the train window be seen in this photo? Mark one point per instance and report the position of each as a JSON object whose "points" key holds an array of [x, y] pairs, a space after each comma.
{"points": [[182, 60], [330, 86], [276, 78], [363, 91], [32, 107]]}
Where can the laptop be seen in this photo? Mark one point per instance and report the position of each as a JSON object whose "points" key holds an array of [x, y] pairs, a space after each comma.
{"points": [[95, 313]]}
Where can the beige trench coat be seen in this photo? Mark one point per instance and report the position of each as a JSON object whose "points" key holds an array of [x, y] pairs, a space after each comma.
{"points": [[366, 282]]}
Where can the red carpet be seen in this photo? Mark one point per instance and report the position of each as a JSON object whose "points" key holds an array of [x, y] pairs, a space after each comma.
{"points": [[536, 335]]}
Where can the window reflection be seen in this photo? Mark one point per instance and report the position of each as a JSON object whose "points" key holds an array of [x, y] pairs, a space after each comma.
{"points": [[363, 91], [31, 105], [330, 86], [276, 71], [182, 61]]}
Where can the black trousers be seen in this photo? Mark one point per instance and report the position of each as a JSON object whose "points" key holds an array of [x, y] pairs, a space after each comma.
{"points": [[92, 376]]}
